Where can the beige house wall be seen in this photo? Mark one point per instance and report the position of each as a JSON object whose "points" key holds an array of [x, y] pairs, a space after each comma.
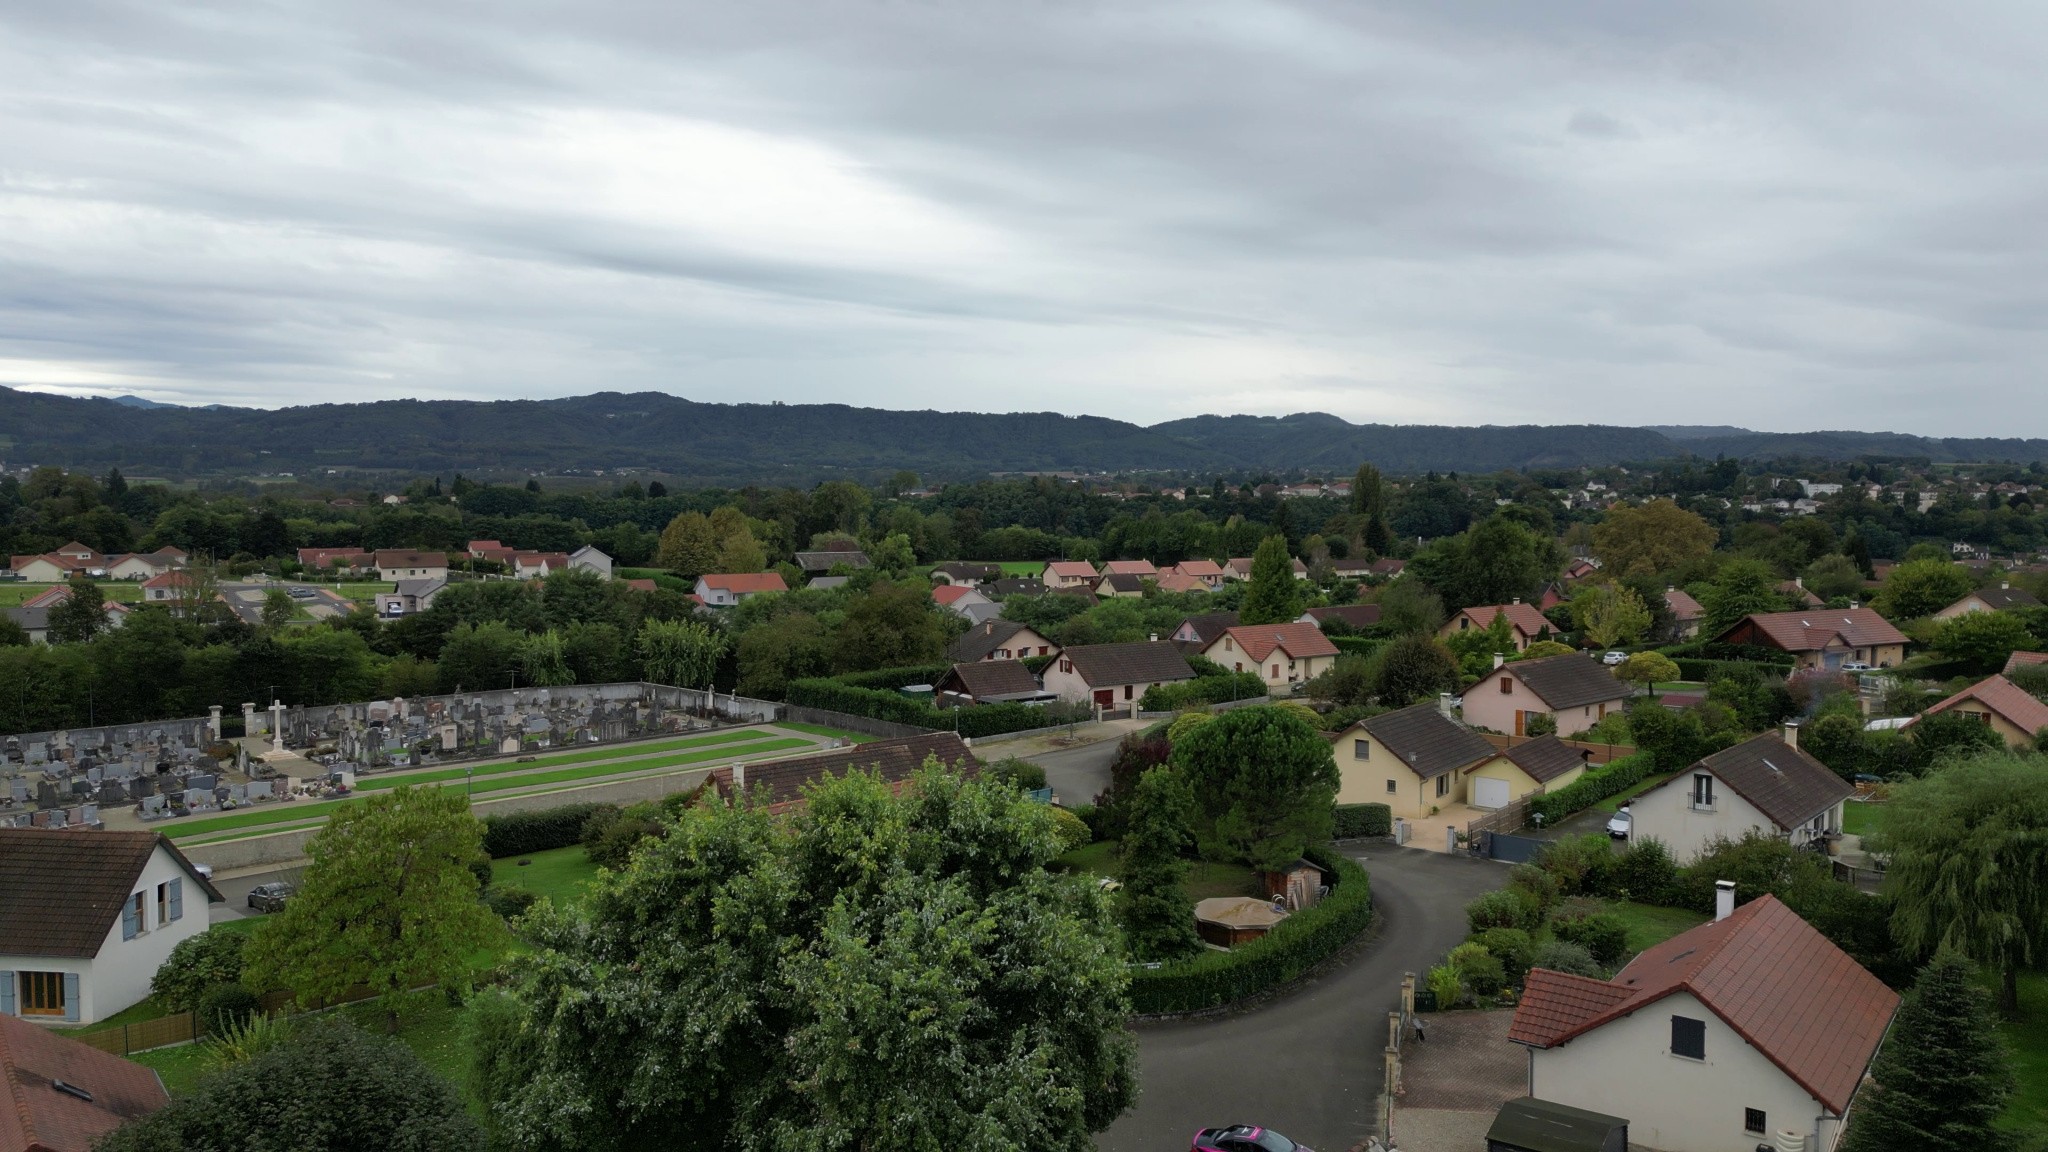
{"points": [[1367, 771], [1279, 672], [1486, 706], [1520, 783]]}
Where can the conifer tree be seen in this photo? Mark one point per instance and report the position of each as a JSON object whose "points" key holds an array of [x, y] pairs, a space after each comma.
{"points": [[1157, 916], [1943, 1075]]}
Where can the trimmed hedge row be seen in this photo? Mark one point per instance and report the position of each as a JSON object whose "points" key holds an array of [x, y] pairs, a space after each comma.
{"points": [[1596, 785], [890, 679], [523, 833], [1357, 645], [875, 704], [1355, 821], [1201, 691], [1692, 668], [1294, 946]]}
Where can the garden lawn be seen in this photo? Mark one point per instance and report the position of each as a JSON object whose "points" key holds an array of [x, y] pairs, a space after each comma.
{"points": [[2028, 1038], [1613, 803], [821, 730], [12, 594], [181, 1068], [1860, 818], [559, 874], [1650, 925], [1205, 878]]}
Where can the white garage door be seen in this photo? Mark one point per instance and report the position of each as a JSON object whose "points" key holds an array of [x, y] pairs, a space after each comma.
{"points": [[1489, 793]]}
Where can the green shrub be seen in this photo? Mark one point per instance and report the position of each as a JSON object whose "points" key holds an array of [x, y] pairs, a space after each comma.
{"points": [[225, 1006], [896, 708], [599, 823], [1644, 873], [509, 902], [197, 964], [1020, 774], [1202, 690], [1292, 948], [1447, 986], [1536, 883], [890, 679], [614, 849], [247, 1037], [1505, 908], [1360, 821], [1540, 724], [1073, 831], [1513, 948], [1580, 864], [1603, 934], [524, 833], [1564, 956], [1480, 970], [1091, 816], [1358, 645], [1595, 785]]}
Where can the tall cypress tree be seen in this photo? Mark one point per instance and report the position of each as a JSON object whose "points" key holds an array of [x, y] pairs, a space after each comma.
{"points": [[1943, 1076], [1157, 916], [1369, 502], [1272, 596]]}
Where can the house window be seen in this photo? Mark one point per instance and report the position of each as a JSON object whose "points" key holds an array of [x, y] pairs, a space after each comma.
{"points": [[1390, 788], [42, 993], [1361, 750], [1276, 673], [1753, 1121], [1127, 691], [163, 904], [1507, 685], [1066, 665], [139, 905], [1443, 785], [1703, 793], [1688, 1037]]}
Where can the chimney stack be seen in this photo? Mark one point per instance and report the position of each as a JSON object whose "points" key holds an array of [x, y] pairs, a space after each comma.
{"points": [[1855, 604], [1799, 582], [1724, 899], [1153, 637], [1443, 704], [1499, 659], [1791, 733], [2005, 585], [1518, 600]]}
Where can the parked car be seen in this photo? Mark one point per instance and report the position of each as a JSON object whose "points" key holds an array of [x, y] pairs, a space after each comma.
{"points": [[205, 870], [270, 897], [1613, 658], [1620, 824], [1855, 666], [298, 593], [1244, 1138]]}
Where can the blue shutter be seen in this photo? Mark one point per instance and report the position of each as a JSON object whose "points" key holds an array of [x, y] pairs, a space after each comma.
{"points": [[71, 996], [128, 925], [6, 993], [178, 898]]}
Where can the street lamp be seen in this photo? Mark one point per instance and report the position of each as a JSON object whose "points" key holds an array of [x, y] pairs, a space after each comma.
{"points": [[468, 779]]}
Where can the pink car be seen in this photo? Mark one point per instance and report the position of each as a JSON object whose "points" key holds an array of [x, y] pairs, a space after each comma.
{"points": [[1244, 1138]]}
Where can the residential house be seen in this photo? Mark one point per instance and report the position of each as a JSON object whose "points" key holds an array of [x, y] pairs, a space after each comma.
{"points": [[34, 614], [974, 574], [590, 558], [1686, 612], [35, 622], [724, 589], [63, 1095], [169, 587], [140, 565], [1209, 572], [90, 918], [1553, 594], [1113, 675], [338, 559], [1581, 568], [1196, 633], [2020, 660], [1175, 582], [641, 584], [827, 583], [1240, 568], [407, 564], [964, 600], [1750, 1030], [45, 569], [1827, 638], [1539, 765], [826, 559], [409, 596], [781, 783], [1387, 568], [1764, 784], [1795, 591], [1351, 617], [998, 640], [484, 549], [1283, 655], [536, 565], [1130, 568], [1999, 599], [2005, 707], [1571, 689], [1008, 586], [1068, 574], [1411, 760], [989, 682], [1127, 585], [1525, 624]]}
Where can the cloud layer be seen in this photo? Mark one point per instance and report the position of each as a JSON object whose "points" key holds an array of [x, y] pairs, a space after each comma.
{"points": [[1820, 215]]}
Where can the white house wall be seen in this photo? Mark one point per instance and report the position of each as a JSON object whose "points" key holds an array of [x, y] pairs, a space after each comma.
{"points": [[119, 976], [1666, 814]]}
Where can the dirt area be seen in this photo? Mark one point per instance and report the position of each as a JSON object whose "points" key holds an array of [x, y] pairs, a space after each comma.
{"points": [[1456, 1080]]}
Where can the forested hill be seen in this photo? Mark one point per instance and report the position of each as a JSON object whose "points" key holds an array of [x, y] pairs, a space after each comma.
{"points": [[800, 443]]}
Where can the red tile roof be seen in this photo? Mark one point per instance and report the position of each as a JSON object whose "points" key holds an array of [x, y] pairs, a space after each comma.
{"points": [[2020, 660], [1207, 569], [325, 557], [2010, 702], [409, 558], [947, 593], [641, 585], [1129, 568], [1683, 606], [1071, 569], [1524, 618], [1811, 630], [743, 583], [171, 579], [1180, 582], [1299, 641], [1774, 979], [40, 1118]]}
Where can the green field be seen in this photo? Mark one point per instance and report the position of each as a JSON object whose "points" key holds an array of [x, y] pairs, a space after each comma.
{"points": [[560, 874], [13, 594], [301, 810], [1009, 567], [1860, 818], [1650, 925]]}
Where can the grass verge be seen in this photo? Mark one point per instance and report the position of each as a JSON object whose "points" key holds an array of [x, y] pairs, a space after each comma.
{"points": [[2028, 1038], [560, 874], [1650, 924], [821, 730]]}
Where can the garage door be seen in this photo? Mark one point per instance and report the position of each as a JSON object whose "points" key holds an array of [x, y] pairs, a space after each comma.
{"points": [[1489, 793]]}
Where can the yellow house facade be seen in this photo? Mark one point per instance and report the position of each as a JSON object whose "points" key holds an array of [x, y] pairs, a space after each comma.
{"points": [[1411, 760]]}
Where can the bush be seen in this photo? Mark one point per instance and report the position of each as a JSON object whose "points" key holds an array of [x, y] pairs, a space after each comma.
{"points": [[1446, 986], [197, 964], [1645, 873], [1513, 948], [1602, 934], [1595, 785], [876, 704], [509, 902], [1506, 908], [1537, 884], [1566, 957], [1292, 948], [614, 849], [1203, 690], [1540, 724], [1090, 815], [1073, 831], [1579, 865], [1359, 821], [524, 833], [890, 679], [1480, 970], [1020, 774], [225, 1007]]}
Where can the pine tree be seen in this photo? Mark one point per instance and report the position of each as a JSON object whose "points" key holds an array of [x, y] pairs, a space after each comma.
{"points": [[1856, 548], [80, 616], [1944, 1074], [1272, 596], [1369, 501], [1157, 916]]}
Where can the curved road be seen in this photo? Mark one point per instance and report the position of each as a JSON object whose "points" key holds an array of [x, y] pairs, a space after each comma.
{"points": [[1309, 1064]]}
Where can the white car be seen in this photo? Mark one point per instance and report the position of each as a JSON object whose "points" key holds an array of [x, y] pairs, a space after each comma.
{"points": [[1619, 824], [1613, 658], [1855, 666]]}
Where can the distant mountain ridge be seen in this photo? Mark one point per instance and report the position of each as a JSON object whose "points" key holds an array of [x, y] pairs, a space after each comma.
{"points": [[803, 443]]}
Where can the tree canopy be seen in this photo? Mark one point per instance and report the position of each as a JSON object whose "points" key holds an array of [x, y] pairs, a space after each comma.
{"points": [[1650, 538], [1264, 781], [1943, 1075], [1273, 595]]}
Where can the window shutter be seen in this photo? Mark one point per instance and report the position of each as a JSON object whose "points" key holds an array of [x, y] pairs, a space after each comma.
{"points": [[129, 927], [178, 898], [71, 996], [6, 993]]}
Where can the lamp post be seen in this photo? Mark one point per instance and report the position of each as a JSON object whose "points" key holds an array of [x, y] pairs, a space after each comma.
{"points": [[468, 781]]}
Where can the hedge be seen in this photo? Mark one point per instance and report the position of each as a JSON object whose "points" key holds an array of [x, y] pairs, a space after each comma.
{"points": [[890, 679], [1728, 653], [875, 704], [1692, 668], [1202, 691], [1355, 821], [523, 833], [1294, 946], [1596, 785], [1357, 645]]}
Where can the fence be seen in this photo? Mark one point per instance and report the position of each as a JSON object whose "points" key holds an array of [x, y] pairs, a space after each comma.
{"points": [[1601, 753], [183, 1027], [1508, 819]]}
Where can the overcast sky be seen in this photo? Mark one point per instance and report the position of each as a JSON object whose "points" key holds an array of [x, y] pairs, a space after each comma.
{"points": [[1776, 215]]}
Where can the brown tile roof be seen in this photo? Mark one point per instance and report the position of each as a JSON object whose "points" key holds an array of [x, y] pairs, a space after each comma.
{"points": [[1129, 568], [1205, 627], [1299, 641], [1241, 566], [407, 558], [2014, 704], [2020, 660], [63, 889], [1570, 681], [1811, 630], [743, 583], [1071, 569], [1355, 615], [1426, 740], [991, 680], [1121, 582], [1207, 569], [37, 1117], [977, 642], [1524, 618], [1782, 782], [1388, 566], [1683, 606], [780, 783], [2000, 599], [1180, 582], [1781, 985], [1546, 758], [1145, 662], [641, 584]]}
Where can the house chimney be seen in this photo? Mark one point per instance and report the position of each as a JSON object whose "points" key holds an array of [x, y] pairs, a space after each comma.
{"points": [[2005, 585], [1799, 581], [1791, 733], [1153, 637], [739, 782], [1499, 659], [1724, 899], [989, 629], [1443, 704], [1518, 600]]}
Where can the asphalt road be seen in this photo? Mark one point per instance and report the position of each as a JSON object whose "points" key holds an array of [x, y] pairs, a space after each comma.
{"points": [[1308, 1065], [1077, 775], [236, 889]]}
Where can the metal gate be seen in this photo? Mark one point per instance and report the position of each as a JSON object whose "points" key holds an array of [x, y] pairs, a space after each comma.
{"points": [[1512, 849]]}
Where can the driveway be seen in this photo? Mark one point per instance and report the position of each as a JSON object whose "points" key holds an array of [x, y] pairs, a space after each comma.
{"points": [[1309, 1064]]}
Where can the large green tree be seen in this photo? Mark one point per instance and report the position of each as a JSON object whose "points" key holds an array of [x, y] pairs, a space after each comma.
{"points": [[1609, 614], [1985, 639], [388, 901], [1742, 587], [1410, 668], [875, 971], [1943, 1075], [1921, 588], [1272, 595], [80, 616], [1264, 781], [1968, 846], [1369, 504], [1157, 916], [1650, 538], [684, 653], [1498, 560]]}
